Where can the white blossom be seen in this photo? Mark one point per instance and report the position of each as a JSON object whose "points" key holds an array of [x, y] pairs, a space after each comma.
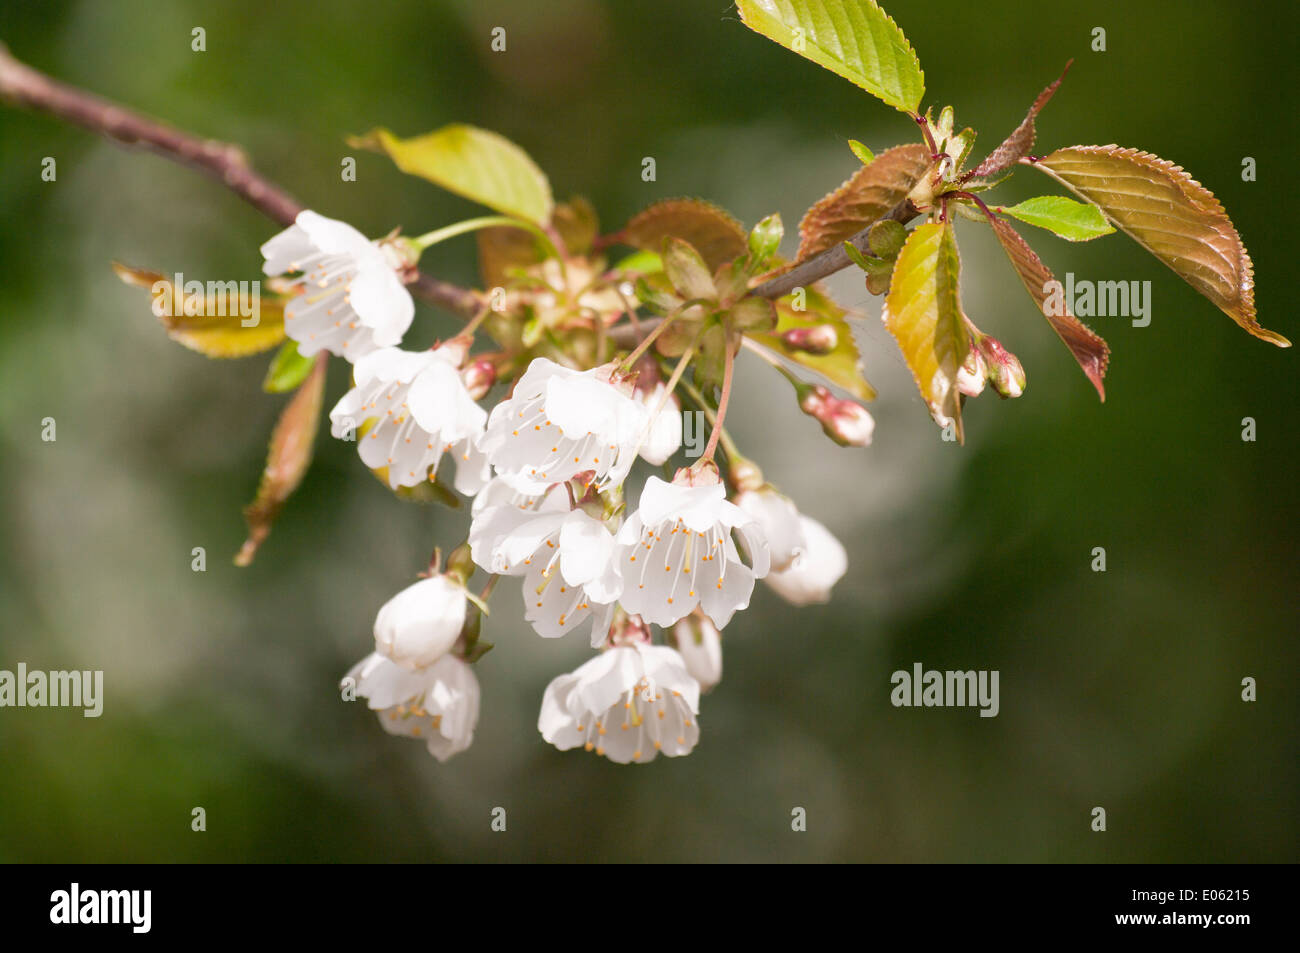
{"points": [[420, 409], [560, 423], [438, 704], [352, 298], [566, 557], [676, 552], [812, 575], [627, 704]]}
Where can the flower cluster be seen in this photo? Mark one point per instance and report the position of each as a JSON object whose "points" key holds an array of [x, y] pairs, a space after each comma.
{"points": [[549, 469]]}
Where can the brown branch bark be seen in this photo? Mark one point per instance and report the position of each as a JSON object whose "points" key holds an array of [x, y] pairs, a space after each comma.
{"points": [[25, 87], [833, 259]]}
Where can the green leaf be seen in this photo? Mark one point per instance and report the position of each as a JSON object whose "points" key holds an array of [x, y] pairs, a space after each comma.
{"points": [[640, 263], [710, 361], [426, 491], [765, 239], [865, 155], [216, 329], [853, 38], [878, 270], [1088, 348], [886, 238], [686, 270], [480, 165], [752, 314], [1073, 221], [287, 459], [842, 366], [1172, 216], [716, 235], [923, 313], [868, 195], [859, 259], [655, 291], [288, 369]]}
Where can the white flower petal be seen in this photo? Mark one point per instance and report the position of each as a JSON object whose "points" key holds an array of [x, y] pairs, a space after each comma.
{"points": [[382, 302], [665, 435], [586, 549]]}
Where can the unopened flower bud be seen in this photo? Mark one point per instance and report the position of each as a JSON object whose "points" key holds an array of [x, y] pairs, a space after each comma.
{"points": [[844, 421], [973, 375], [479, 378], [422, 622], [818, 339], [1004, 371]]}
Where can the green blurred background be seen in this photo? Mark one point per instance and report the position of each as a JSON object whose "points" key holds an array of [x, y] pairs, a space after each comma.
{"points": [[1119, 690]]}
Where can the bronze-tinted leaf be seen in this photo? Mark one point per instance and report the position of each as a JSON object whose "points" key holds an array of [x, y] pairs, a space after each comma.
{"points": [[1017, 145], [1087, 347], [923, 313], [217, 328], [1172, 216], [868, 195], [503, 249], [577, 224], [286, 461], [716, 235]]}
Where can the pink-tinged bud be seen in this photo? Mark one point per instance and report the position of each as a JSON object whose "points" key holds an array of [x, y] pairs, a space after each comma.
{"points": [[1004, 371], [818, 339], [479, 378], [973, 375], [845, 421]]}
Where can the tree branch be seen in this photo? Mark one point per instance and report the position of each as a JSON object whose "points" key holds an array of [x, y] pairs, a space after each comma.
{"points": [[22, 86], [832, 259]]}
